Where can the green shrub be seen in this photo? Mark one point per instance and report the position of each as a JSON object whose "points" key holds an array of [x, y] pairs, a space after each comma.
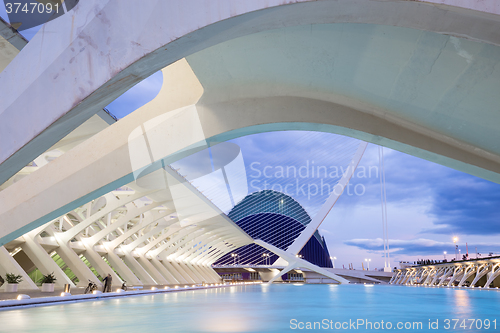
{"points": [[49, 278], [13, 278]]}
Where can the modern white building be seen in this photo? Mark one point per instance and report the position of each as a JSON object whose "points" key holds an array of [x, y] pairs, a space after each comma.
{"points": [[420, 77]]}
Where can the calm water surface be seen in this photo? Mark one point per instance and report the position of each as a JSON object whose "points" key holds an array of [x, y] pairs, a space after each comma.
{"points": [[259, 308]]}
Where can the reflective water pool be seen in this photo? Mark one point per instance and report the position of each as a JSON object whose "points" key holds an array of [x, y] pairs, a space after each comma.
{"points": [[275, 308]]}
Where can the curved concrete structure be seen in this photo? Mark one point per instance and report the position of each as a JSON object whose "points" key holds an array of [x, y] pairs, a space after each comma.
{"points": [[413, 76], [102, 66]]}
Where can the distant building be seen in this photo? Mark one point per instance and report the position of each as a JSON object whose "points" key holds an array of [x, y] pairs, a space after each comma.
{"points": [[405, 264], [278, 219]]}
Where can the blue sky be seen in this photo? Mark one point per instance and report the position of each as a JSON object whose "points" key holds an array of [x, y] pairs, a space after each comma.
{"points": [[428, 204]]}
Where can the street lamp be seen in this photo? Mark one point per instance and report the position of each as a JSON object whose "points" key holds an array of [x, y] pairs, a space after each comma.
{"points": [[333, 261], [234, 255], [455, 240], [444, 255], [265, 256], [368, 261]]}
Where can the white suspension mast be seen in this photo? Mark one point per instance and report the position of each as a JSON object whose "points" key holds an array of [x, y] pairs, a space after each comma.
{"points": [[383, 202]]}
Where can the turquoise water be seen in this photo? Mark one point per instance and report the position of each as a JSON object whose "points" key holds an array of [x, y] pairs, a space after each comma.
{"points": [[258, 308]]}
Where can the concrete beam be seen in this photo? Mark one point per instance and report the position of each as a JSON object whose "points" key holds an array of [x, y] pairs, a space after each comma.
{"points": [[79, 69]]}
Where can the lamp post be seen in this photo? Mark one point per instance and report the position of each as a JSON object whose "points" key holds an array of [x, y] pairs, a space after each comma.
{"points": [[444, 255], [368, 263], [265, 257], [333, 261], [455, 240], [234, 255]]}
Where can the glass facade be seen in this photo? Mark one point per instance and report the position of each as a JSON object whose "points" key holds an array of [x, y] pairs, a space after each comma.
{"points": [[277, 219]]}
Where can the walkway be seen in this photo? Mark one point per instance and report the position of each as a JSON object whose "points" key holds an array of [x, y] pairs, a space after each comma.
{"points": [[9, 301]]}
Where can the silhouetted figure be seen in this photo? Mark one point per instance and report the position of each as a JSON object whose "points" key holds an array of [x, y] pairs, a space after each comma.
{"points": [[107, 284]]}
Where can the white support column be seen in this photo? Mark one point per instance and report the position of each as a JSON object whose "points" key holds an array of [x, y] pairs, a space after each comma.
{"points": [[471, 269], [495, 271], [100, 265], [189, 272], [37, 254], [394, 276], [408, 276], [430, 276], [295, 262], [174, 271], [200, 277], [132, 212], [180, 269], [311, 228], [9, 265], [413, 276], [446, 273], [112, 203], [164, 271], [152, 271], [458, 271], [74, 262], [481, 271], [211, 276], [438, 274], [138, 270], [122, 268], [403, 275], [424, 274]]}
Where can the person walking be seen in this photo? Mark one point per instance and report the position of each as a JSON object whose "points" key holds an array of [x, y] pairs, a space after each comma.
{"points": [[107, 284]]}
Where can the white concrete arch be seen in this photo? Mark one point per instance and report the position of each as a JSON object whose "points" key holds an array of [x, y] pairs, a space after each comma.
{"points": [[212, 116], [125, 55], [204, 102]]}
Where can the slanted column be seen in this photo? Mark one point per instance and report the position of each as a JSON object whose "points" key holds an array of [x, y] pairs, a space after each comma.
{"points": [[418, 275], [495, 271], [173, 270], [152, 271], [423, 276], [445, 275], [212, 276], [404, 276], [456, 273], [408, 275], [41, 258], [440, 272], [201, 276], [430, 276], [395, 276], [182, 272], [482, 271], [138, 270], [471, 269], [122, 268], [100, 265], [164, 271], [9, 265], [74, 262]]}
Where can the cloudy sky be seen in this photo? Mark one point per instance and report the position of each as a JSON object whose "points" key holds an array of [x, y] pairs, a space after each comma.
{"points": [[427, 204]]}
